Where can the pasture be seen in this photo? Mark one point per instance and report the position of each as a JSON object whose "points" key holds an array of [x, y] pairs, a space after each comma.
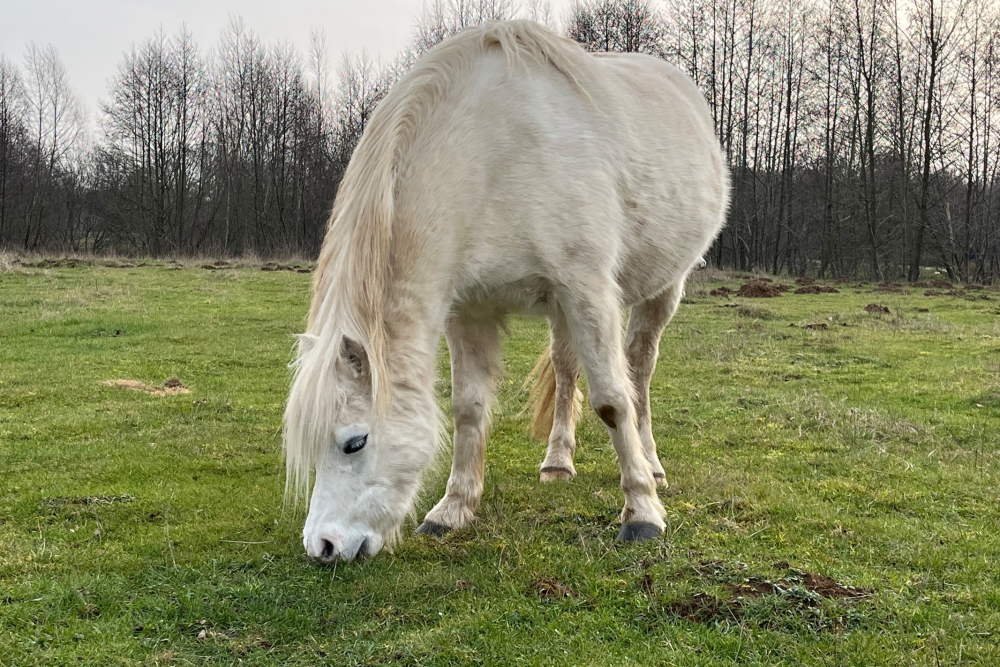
{"points": [[833, 490]]}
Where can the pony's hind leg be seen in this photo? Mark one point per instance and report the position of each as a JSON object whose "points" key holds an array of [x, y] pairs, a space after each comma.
{"points": [[558, 462], [475, 364], [594, 319], [641, 349]]}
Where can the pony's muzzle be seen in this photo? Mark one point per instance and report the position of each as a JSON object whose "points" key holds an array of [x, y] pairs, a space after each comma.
{"points": [[329, 547], [325, 548]]}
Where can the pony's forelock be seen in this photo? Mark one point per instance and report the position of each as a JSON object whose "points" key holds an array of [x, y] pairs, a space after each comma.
{"points": [[317, 395]]}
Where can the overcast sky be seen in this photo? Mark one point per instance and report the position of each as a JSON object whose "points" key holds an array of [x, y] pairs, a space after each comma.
{"points": [[92, 35]]}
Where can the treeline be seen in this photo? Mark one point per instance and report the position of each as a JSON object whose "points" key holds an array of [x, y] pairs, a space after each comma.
{"points": [[239, 150], [228, 154], [863, 135]]}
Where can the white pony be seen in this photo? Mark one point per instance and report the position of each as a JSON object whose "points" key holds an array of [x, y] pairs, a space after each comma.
{"points": [[507, 171]]}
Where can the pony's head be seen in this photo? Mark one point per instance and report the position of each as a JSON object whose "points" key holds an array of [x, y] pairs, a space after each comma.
{"points": [[367, 462]]}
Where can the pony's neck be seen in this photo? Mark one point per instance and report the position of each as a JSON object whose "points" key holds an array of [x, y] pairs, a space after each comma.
{"points": [[414, 324]]}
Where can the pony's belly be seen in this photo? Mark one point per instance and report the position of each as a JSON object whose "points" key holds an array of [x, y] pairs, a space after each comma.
{"points": [[642, 278], [531, 296]]}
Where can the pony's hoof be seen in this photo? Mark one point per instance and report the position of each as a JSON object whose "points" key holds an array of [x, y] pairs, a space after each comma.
{"points": [[555, 474], [432, 528], [661, 480], [639, 532]]}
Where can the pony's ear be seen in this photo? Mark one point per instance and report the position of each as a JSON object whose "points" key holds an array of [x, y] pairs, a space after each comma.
{"points": [[306, 343], [354, 354]]}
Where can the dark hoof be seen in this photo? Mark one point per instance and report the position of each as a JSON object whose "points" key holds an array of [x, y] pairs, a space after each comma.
{"points": [[638, 532], [432, 528], [660, 479]]}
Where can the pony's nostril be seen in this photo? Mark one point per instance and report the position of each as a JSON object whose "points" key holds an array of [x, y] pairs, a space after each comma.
{"points": [[327, 552], [363, 549]]}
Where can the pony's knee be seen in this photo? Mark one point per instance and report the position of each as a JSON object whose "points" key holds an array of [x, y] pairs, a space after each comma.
{"points": [[469, 414], [613, 409], [608, 415]]}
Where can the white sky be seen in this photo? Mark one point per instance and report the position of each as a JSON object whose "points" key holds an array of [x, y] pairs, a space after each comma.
{"points": [[92, 35]]}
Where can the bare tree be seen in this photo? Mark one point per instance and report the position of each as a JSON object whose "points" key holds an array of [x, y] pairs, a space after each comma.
{"points": [[55, 126], [12, 144], [617, 25], [540, 11], [937, 22]]}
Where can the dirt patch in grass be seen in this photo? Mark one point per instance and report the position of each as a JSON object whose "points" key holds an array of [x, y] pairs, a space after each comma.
{"points": [[550, 589], [759, 289], [722, 291], [275, 266], [703, 608], [799, 591], [876, 308], [818, 584], [828, 588], [968, 293], [819, 326], [891, 288], [68, 263], [817, 289], [803, 280], [170, 387]]}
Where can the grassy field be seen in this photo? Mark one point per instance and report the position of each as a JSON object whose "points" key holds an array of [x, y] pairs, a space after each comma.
{"points": [[833, 501]]}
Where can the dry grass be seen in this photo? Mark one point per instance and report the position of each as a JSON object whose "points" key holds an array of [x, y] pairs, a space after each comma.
{"points": [[711, 274], [171, 387], [9, 262], [18, 261]]}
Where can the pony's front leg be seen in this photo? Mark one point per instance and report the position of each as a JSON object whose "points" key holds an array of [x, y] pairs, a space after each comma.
{"points": [[475, 363], [594, 319]]}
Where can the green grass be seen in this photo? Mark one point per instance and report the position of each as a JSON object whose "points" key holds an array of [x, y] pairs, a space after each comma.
{"points": [[142, 530]]}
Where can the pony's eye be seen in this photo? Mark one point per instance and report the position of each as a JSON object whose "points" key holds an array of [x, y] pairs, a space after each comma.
{"points": [[355, 444]]}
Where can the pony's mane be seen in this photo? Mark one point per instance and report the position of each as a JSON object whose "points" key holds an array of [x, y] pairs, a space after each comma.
{"points": [[354, 263]]}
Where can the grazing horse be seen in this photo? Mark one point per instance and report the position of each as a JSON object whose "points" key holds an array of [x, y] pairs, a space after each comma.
{"points": [[507, 171]]}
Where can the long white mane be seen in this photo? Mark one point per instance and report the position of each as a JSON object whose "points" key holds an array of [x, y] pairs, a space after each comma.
{"points": [[355, 262]]}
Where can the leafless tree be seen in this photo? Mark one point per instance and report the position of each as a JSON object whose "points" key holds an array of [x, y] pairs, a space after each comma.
{"points": [[13, 141], [55, 123], [617, 25]]}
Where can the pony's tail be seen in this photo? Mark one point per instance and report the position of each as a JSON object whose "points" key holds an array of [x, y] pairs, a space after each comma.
{"points": [[542, 397]]}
